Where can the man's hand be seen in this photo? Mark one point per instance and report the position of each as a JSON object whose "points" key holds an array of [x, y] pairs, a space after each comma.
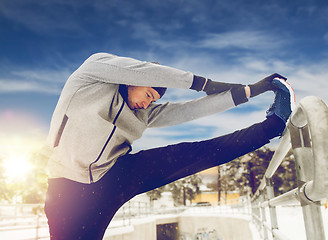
{"points": [[264, 85]]}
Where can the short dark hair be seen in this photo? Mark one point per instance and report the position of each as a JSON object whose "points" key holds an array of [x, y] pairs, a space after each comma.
{"points": [[160, 90], [124, 91]]}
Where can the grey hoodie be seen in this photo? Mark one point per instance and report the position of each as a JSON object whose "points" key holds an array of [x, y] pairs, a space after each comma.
{"points": [[92, 125]]}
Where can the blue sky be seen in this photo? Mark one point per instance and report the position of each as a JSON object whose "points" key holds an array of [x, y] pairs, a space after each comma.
{"points": [[43, 42]]}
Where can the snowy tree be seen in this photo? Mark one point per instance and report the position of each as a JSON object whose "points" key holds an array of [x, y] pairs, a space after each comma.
{"points": [[230, 178], [256, 166], [155, 194], [245, 173], [182, 190], [185, 189], [285, 178]]}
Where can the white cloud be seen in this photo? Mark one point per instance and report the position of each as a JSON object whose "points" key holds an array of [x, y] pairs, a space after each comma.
{"points": [[311, 80], [10, 86], [258, 42], [145, 30], [48, 81], [43, 75], [325, 37], [250, 40]]}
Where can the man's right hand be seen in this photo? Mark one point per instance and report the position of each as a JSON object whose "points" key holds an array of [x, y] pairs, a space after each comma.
{"points": [[264, 85]]}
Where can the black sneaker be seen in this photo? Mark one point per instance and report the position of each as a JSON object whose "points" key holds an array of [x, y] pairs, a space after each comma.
{"points": [[284, 100]]}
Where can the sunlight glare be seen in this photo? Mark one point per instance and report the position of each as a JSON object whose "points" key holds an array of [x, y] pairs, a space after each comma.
{"points": [[16, 167]]}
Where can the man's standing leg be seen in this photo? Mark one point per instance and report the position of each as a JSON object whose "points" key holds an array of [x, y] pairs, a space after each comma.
{"points": [[83, 211]]}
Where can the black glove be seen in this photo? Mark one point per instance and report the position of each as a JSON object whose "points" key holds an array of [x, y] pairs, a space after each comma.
{"points": [[212, 87], [264, 85]]}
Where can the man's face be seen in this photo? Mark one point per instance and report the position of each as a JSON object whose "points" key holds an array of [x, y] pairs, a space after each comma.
{"points": [[141, 97]]}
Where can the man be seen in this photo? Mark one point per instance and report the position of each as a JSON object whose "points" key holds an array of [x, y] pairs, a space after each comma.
{"points": [[106, 104]]}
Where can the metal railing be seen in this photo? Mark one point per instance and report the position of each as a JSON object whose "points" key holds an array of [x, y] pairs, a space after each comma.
{"points": [[28, 221], [25, 220], [21, 221], [307, 135]]}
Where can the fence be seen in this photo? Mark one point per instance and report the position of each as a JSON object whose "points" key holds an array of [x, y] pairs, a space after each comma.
{"points": [[23, 221], [307, 135], [28, 222]]}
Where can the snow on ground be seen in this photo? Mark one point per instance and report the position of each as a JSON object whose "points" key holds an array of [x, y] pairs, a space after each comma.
{"points": [[292, 224], [290, 221]]}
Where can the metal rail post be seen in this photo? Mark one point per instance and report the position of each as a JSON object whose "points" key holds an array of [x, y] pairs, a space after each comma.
{"points": [[301, 145], [272, 209], [37, 226], [263, 217], [256, 214]]}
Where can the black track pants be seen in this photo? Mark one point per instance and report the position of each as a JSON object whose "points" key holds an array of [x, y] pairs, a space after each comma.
{"points": [[83, 211]]}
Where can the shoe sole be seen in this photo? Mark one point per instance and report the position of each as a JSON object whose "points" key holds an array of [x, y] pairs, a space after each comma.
{"points": [[287, 88]]}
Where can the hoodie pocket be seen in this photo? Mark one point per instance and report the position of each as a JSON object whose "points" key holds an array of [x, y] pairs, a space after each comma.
{"points": [[61, 130]]}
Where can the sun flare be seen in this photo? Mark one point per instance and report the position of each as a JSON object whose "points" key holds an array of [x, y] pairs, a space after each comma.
{"points": [[16, 167], [15, 155]]}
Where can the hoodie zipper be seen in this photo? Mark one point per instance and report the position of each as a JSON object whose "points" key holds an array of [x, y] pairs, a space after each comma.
{"points": [[106, 143]]}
